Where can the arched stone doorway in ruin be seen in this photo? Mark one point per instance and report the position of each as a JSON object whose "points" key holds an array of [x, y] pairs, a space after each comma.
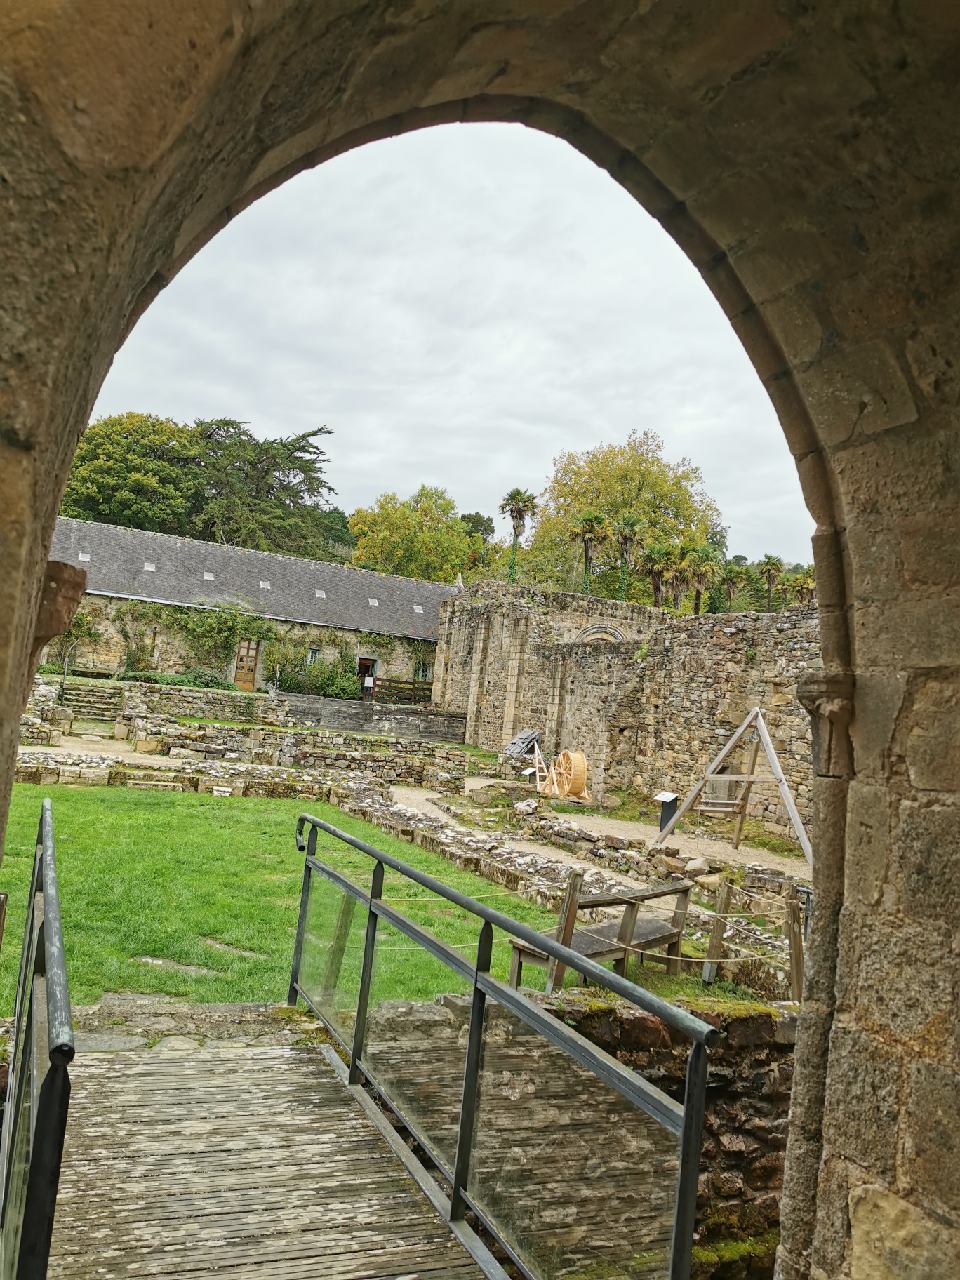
{"points": [[805, 159]]}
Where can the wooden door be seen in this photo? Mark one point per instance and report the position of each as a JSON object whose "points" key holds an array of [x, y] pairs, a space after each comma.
{"points": [[245, 676]]}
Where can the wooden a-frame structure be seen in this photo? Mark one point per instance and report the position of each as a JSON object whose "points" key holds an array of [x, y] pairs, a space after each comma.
{"points": [[738, 806]]}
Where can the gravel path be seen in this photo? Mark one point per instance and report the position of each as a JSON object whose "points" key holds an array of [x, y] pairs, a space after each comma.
{"points": [[716, 850]]}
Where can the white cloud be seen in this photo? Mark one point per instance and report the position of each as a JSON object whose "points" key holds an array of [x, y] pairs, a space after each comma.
{"points": [[460, 305]]}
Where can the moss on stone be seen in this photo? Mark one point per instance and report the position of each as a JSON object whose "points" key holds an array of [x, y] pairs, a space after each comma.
{"points": [[707, 1257]]}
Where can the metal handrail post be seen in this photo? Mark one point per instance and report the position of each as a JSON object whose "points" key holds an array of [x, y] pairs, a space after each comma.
{"points": [[366, 975], [471, 1078], [311, 848], [691, 1139]]}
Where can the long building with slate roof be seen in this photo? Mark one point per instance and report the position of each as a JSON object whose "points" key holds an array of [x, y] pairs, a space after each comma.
{"points": [[321, 605]]}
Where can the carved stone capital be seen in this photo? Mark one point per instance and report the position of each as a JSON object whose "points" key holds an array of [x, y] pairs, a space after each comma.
{"points": [[828, 697]]}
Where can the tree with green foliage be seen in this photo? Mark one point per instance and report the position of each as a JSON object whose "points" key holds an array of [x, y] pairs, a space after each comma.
{"points": [[801, 585], [626, 532], [658, 561], [733, 576], [138, 471], [589, 529], [417, 537], [704, 570], [770, 569], [519, 505], [215, 481], [268, 495], [633, 478], [479, 524]]}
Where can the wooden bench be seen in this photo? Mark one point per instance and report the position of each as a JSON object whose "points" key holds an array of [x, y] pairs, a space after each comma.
{"points": [[612, 939]]}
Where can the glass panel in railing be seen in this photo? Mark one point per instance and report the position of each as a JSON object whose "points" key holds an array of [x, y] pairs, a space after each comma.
{"points": [[332, 954], [577, 1180], [418, 1021]]}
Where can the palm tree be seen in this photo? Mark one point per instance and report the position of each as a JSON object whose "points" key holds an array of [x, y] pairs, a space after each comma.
{"points": [[678, 580], [733, 575], [802, 585], [770, 569], [626, 531], [704, 568], [658, 558], [589, 529], [519, 505]]}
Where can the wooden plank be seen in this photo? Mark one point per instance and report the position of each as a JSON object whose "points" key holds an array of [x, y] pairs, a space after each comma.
{"points": [[715, 943], [794, 932], [744, 795], [785, 794], [247, 1162], [711, 769]]}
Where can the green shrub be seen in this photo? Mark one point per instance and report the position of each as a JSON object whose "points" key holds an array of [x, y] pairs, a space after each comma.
{"points": [[337, 679]]}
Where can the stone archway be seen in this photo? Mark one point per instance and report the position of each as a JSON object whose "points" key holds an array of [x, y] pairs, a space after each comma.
{"points": [[804, 158]]}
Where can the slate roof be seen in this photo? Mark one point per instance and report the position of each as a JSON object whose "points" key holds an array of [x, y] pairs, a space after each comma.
{"points": [[187, 572]]}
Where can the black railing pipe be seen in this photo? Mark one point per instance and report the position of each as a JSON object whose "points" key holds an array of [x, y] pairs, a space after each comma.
{"points": [[678, 1019]]}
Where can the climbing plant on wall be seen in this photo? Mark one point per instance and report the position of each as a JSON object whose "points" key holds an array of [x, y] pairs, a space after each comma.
{"points": [[211, 636]]}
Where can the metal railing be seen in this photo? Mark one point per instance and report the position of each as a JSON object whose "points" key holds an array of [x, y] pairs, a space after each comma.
{"points": [[576, 1164], [38, 1084]]}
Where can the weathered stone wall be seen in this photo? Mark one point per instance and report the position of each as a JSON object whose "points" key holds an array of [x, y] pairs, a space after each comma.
{"points": [[377, 717], [391, 760], [698, 679], [745, 1123], [490, 668], [650, 710], [396, 657]]}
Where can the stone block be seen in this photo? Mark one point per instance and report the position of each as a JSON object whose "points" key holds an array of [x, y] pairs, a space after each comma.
{"points": [[858, 390], [899, 977], [932, 1145], [926, 854], [863, 1100], [867, 845], [892, 1239], [933, 742]]}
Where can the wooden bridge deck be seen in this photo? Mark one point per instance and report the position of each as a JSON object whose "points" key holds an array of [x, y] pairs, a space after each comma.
{"points": [[236, 1162]]}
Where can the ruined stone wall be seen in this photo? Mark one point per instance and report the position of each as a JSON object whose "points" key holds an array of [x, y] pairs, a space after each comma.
{"points": [[649, 710], [698, 679], [402, 721], [170, 652], [491, 665]]}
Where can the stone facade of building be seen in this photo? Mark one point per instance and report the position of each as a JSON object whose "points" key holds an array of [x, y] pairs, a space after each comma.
{"points": [[168, 650], [650, 698]]}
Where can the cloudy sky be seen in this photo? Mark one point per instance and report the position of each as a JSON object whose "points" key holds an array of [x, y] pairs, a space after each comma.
{"points": [[460, 305]]}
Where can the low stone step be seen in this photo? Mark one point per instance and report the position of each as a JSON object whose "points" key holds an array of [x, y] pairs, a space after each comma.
{"points": [[143, 784]]}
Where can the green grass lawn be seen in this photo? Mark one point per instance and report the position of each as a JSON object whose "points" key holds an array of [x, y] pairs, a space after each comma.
{"points": [[164, 874], [146, 874]]}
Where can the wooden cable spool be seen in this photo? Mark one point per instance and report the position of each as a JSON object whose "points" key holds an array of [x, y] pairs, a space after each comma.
{"points": [[570, 772]]}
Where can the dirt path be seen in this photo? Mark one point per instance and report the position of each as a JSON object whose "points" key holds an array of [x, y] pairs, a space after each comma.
{"points": [[423, 801], [117, 748], [713, 850]]}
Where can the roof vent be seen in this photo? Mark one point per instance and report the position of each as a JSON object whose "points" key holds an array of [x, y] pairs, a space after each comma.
{"points": [[149, 566], [373, 603], [418, 608], [264, 586], [321, 595], [207, 577], [83, 556]]}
